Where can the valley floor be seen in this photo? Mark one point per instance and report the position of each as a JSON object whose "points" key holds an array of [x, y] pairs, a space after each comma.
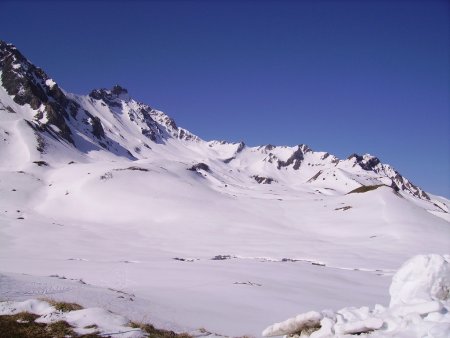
{"points": [[232, 297], [185, 251]]}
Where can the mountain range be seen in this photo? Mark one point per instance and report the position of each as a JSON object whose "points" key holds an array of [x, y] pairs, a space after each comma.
{"points": [[109, 122]]}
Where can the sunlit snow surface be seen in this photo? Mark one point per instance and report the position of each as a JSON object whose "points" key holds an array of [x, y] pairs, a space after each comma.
{"points": [[123, 231]]}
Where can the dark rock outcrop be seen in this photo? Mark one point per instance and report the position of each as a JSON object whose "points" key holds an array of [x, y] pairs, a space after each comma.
{"points": [[315, 177], [199, 166], [296, 158], [110, 97], [263, 180], [367, 164], [97, 129]]}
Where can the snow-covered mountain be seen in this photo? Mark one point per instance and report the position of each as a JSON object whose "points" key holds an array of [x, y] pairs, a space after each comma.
{"points": [[106, 189], [109, 123]]}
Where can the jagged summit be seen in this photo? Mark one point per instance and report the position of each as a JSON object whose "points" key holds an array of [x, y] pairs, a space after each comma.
{"points": [[10, 49], [109, 95], [109, 122], [30, 85], [366, 161], [118, 90]]}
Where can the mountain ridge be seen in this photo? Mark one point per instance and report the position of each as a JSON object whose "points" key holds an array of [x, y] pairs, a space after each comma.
{"points": [[109, 120]]}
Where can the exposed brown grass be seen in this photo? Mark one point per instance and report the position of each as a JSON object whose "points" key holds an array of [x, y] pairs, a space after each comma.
{"points": [[63, 306], [366, 188], [158, 333], [23, 325]]}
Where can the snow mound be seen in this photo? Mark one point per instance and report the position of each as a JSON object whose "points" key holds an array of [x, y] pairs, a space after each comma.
{"points": [[421, 279], [419, 307], [35, 306]]}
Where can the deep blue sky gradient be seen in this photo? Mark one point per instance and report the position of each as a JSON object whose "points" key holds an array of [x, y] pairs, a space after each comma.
{"points": [[340, 76]]}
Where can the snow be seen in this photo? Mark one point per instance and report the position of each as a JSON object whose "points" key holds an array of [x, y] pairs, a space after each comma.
{"points": [[419, 307], [50, 83], [357, 327], [32, 306], [297, 324], [105, 321], [420, 280]]}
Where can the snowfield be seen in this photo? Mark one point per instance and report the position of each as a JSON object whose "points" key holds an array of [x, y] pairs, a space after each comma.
{"points": [[155, 233], [164, 227], [419, 307]]}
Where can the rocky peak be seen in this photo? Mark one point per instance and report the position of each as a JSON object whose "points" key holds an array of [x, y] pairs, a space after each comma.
{"points": [[166, 121], [296, 158], [118, 90], [304, 148], [7, 49], [186, 135], [21, 79], [28, 84], [371, 163], [111, 97], [241, 146], [366, 161]]}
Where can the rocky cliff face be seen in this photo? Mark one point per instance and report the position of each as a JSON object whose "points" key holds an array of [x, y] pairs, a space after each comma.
{"points": [[28, 84]]}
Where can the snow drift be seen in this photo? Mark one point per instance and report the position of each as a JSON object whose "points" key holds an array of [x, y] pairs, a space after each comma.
{"points": [[419, 307]]}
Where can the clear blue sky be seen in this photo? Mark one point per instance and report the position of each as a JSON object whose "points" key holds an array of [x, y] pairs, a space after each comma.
{"points": [[340, 76]]}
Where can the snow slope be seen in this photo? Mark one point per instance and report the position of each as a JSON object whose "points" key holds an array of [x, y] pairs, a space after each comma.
{"points": [[111, 191]]}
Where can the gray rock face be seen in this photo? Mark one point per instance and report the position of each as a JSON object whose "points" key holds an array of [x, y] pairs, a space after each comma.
{"points": [[118, 90], [110, 97], [296, 158], [263, 180], [401, 183], [27, 84], [97, 129], [199, 166], [368, 164]]}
